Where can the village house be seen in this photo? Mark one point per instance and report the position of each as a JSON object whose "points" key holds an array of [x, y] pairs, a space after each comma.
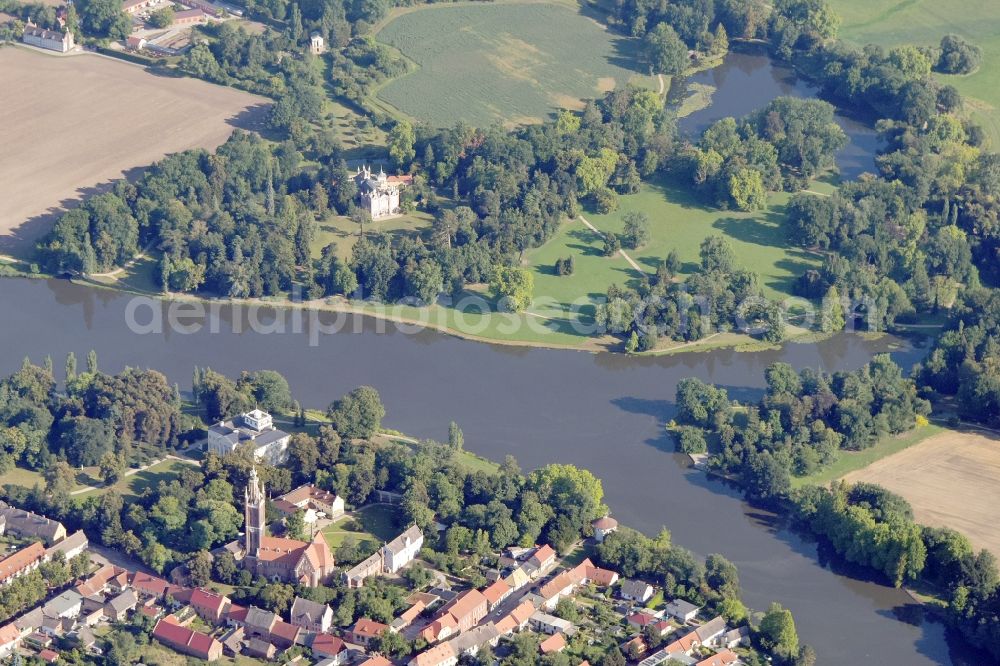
{"points": [[73, 545], [133, 7], [389, 559], [285, 635], [278, 559], [259, 623], [437, 655], [308, 496], [310, 615], [682, 611], [260, 649], [187, 641], [469, 643], [189, 17], [402, 550], [28, 525], [565, 583], [712, 631], [135, 43], [517, 619], [149, 586], [329, 647], [636, 590], [724, 658], [554, 643], [603, 527], [544, 623], [543, 558], [10, 639], [254, 429], [496, 593], [47, 39], [210, 606], [377, 660], [92, 610], [460, 614], [21, 562], [365, 632], [118, 608]]}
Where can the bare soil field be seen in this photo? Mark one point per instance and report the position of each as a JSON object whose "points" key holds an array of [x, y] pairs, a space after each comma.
{"points": [[70, 125], [951, 479]]}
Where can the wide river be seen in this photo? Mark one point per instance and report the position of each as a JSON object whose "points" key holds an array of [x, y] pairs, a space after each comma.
{"points": [[599, 411]]}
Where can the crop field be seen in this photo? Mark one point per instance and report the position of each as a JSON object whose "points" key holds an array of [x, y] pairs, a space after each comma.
{"points": [[678, 221], [951, 479], [512, 62], [79, 122], [924, 22]]}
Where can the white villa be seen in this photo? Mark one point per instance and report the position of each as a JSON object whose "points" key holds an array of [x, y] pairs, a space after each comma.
{"points": [[256, 429], [47, 39], [378, 193]]}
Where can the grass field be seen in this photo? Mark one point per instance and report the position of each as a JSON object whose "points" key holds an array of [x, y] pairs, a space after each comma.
{"points": [[951, 479], [344, 232], [678, 221], [851, 461], [378, 523], [516, 62], [924, 22], [133, 485], [80, 122]]}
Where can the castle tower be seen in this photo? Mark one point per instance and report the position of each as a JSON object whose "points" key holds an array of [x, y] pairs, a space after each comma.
{"points": [[254, 519]]}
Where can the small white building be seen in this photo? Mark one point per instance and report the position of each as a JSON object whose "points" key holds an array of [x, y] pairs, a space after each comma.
{"points": [[47, 39], [603, 527], [636, 590], [402, 550], [255, 429], [317, 45]]}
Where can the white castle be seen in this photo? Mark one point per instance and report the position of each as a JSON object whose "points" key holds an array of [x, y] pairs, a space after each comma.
{"points": [[379, 193]]}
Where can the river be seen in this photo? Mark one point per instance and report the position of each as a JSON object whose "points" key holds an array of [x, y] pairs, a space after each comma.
{"points": [[745, 82], [600, 411]]}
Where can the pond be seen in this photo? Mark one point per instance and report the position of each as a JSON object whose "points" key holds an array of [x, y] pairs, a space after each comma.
{"points": [[745, 82], [599, 411]]}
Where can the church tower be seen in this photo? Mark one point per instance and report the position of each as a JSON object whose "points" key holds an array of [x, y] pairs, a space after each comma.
{"points": [[254, 519]]}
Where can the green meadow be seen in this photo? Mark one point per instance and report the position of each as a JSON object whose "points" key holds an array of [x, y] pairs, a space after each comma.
{"points": [[512, 62], [924, 22]]}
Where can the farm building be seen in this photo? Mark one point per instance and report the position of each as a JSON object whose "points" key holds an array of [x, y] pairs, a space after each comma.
{"points": [[135, 43], [190, 17], [133, 7], [47, 39]]}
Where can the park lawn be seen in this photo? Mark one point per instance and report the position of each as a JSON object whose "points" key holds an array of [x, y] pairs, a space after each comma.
{"points": [[379, 522], [678, 221], [516, 62], [343, 231], [850, 461], [564, 296], [473, 463], [28, 478], [924, 23], [134, 484]]}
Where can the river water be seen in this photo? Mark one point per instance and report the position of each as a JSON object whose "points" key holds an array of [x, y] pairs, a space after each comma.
{"points": [[745, 82], [599, 411]]}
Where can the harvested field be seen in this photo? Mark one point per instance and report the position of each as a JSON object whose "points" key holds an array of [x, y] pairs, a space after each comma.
{"points": [[79, 122], [951, 479]]}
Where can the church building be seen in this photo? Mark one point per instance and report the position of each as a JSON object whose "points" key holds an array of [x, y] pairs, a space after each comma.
{"points": [[276, 558]]}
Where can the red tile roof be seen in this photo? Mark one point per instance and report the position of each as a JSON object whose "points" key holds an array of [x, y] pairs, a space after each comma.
{"points": [[9, 633], [327, 645], [288, 632], [208, 601], [496, 592], [368, 628], [544, 553], [554, 643], [21, 560], [723, 658]]}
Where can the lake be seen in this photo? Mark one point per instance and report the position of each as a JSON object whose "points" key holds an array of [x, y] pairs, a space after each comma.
{"points": [[600, 411], [745, 82]]}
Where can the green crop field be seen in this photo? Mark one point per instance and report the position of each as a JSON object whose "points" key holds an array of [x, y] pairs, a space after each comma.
{"points": [[924, 22], [512, 62]]}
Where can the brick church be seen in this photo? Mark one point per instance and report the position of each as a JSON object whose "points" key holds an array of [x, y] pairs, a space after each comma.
{"points": [[276, 558]]}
